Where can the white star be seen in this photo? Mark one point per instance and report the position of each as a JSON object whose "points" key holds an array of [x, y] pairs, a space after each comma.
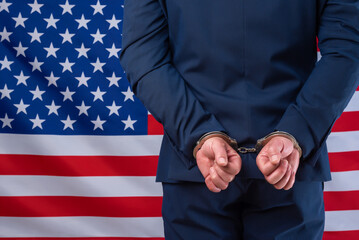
{"points": [[36, 65], [6, 121], [20, 50], [98, 123], [51, 21], [53, 108], [21, 79], [19, 20], [51, 51], [82, 51], [4, 6], [98, 65], [67, 65], [113, 80], [5, 92], [37, 122], [35, 35], [113, 51], [129, 123], [68, 122], [128, 95], [5, 35], [35, 7], [67, 36], [21, 107], [67, 7], [37, 93], [114, 109], [98, 94], [82, 22], [98, 36], [67, 94], [6, 64], [98, 8], [82, 80], [83, 109], [113, 22], [52, 79]]}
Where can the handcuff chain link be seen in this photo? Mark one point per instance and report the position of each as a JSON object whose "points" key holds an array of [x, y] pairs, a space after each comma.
{"points": [[246, 150]]}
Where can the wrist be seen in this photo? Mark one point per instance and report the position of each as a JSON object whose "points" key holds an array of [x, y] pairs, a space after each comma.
{"points": [[263, 141], [232, 142]]}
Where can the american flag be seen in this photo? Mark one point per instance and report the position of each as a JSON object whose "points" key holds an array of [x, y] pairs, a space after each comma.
{"points": [[78, 151]]}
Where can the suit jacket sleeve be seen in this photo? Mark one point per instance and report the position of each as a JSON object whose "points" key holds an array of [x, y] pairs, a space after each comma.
{"points": [[332, 82], [146, 59]]}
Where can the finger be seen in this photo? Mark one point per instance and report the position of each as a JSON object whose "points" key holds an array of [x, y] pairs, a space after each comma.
{"points": [[273, 150], [226, 176], [220, 151], [217, 180], [293, 160], [232, 168], [287, 146], [283, 182], [279, 173], [290, 182], [203, 163], [264, 165], [234, 163], [210, 185]]}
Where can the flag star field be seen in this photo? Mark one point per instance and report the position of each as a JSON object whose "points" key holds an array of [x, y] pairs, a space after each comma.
{"points": [[60, 70]]}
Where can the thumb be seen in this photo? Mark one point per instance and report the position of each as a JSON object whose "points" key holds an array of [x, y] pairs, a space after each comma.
{"points": [[274, 150], [220, 152]]}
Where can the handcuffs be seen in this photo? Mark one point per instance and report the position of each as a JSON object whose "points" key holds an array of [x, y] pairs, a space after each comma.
{"points": [[233, 143]]}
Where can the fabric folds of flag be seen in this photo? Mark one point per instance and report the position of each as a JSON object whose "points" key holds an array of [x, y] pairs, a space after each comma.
{"points": [[78, 152]]}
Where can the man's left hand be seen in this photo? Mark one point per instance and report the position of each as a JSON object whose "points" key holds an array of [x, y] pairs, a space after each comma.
{"points": [[278, 161]]}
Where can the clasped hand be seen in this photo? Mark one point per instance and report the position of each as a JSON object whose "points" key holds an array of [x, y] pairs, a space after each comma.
{"points": [[219, 163]]}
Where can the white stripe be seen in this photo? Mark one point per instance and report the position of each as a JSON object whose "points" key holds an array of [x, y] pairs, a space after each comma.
{"points": [[343, 141], [80, 145], [341, 220], [354, 103], [79, 186], [80, 227], [319, 56], [343, 181]]}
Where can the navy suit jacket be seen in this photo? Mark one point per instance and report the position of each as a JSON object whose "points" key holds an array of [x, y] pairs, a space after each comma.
{"points": [[246, 68]]}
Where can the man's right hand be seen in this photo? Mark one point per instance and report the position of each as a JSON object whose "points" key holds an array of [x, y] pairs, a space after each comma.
{"points": [[219, 163]]}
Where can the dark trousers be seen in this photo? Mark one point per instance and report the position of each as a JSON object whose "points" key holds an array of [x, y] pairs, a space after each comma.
{"points": [[249, 209]]}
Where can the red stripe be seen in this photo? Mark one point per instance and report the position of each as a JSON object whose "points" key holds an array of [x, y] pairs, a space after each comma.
{"points": [[65, 206], [336, 201], [154, 127], [344, 235], [344, 161], [78, 165], [348, 121]]}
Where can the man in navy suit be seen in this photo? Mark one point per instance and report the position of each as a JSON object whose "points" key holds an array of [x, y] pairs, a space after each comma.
{"points": [[245, 106]]}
